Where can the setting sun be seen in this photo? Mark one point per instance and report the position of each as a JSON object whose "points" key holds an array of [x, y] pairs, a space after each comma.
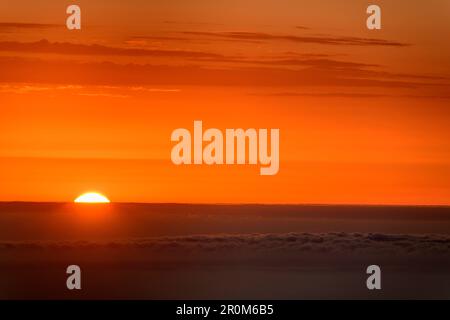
{"points": [[92, 197]]}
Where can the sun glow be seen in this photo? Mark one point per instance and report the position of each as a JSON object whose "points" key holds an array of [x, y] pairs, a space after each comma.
{"points": [[92, 197]]}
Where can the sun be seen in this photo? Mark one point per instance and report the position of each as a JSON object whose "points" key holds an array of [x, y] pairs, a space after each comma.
{"points": [[92, 197]]}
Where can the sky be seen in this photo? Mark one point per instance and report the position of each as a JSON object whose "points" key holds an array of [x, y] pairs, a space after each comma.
{"points": [[363, 114]]}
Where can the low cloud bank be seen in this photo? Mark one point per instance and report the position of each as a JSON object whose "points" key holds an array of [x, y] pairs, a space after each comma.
{"points": [[256, 244]]}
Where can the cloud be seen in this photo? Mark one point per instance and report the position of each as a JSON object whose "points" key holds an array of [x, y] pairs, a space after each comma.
{"points": [[25, 88], [158, 38], [306, 61], [103, 94], [192, 23], [349, 95], [65, 48], [14, 26], [325, 40], [197, 68], [191, 39], [91, 91], [268, 246], [22, 70], [324, 95]]}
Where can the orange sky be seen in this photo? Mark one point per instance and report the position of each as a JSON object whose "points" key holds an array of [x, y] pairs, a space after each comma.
{"points": [[363, 115]]}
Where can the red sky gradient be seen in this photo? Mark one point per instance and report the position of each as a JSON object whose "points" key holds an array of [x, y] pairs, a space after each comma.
{"points": [[364, 115]]}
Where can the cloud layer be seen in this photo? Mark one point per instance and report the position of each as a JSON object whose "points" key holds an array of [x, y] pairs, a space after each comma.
{"points": [[325, 40], [269, 245], [314, 73], [65, 48]]}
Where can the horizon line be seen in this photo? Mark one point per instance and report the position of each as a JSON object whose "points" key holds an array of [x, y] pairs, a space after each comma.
{"points": [[230, 204]]}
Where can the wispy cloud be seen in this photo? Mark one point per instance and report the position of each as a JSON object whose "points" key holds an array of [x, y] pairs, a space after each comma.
{"points": [[65, 48], [186, 38], [90, 91], [350, 95], [306, 61], [15, 26], [325, 40], [158, 38]]}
